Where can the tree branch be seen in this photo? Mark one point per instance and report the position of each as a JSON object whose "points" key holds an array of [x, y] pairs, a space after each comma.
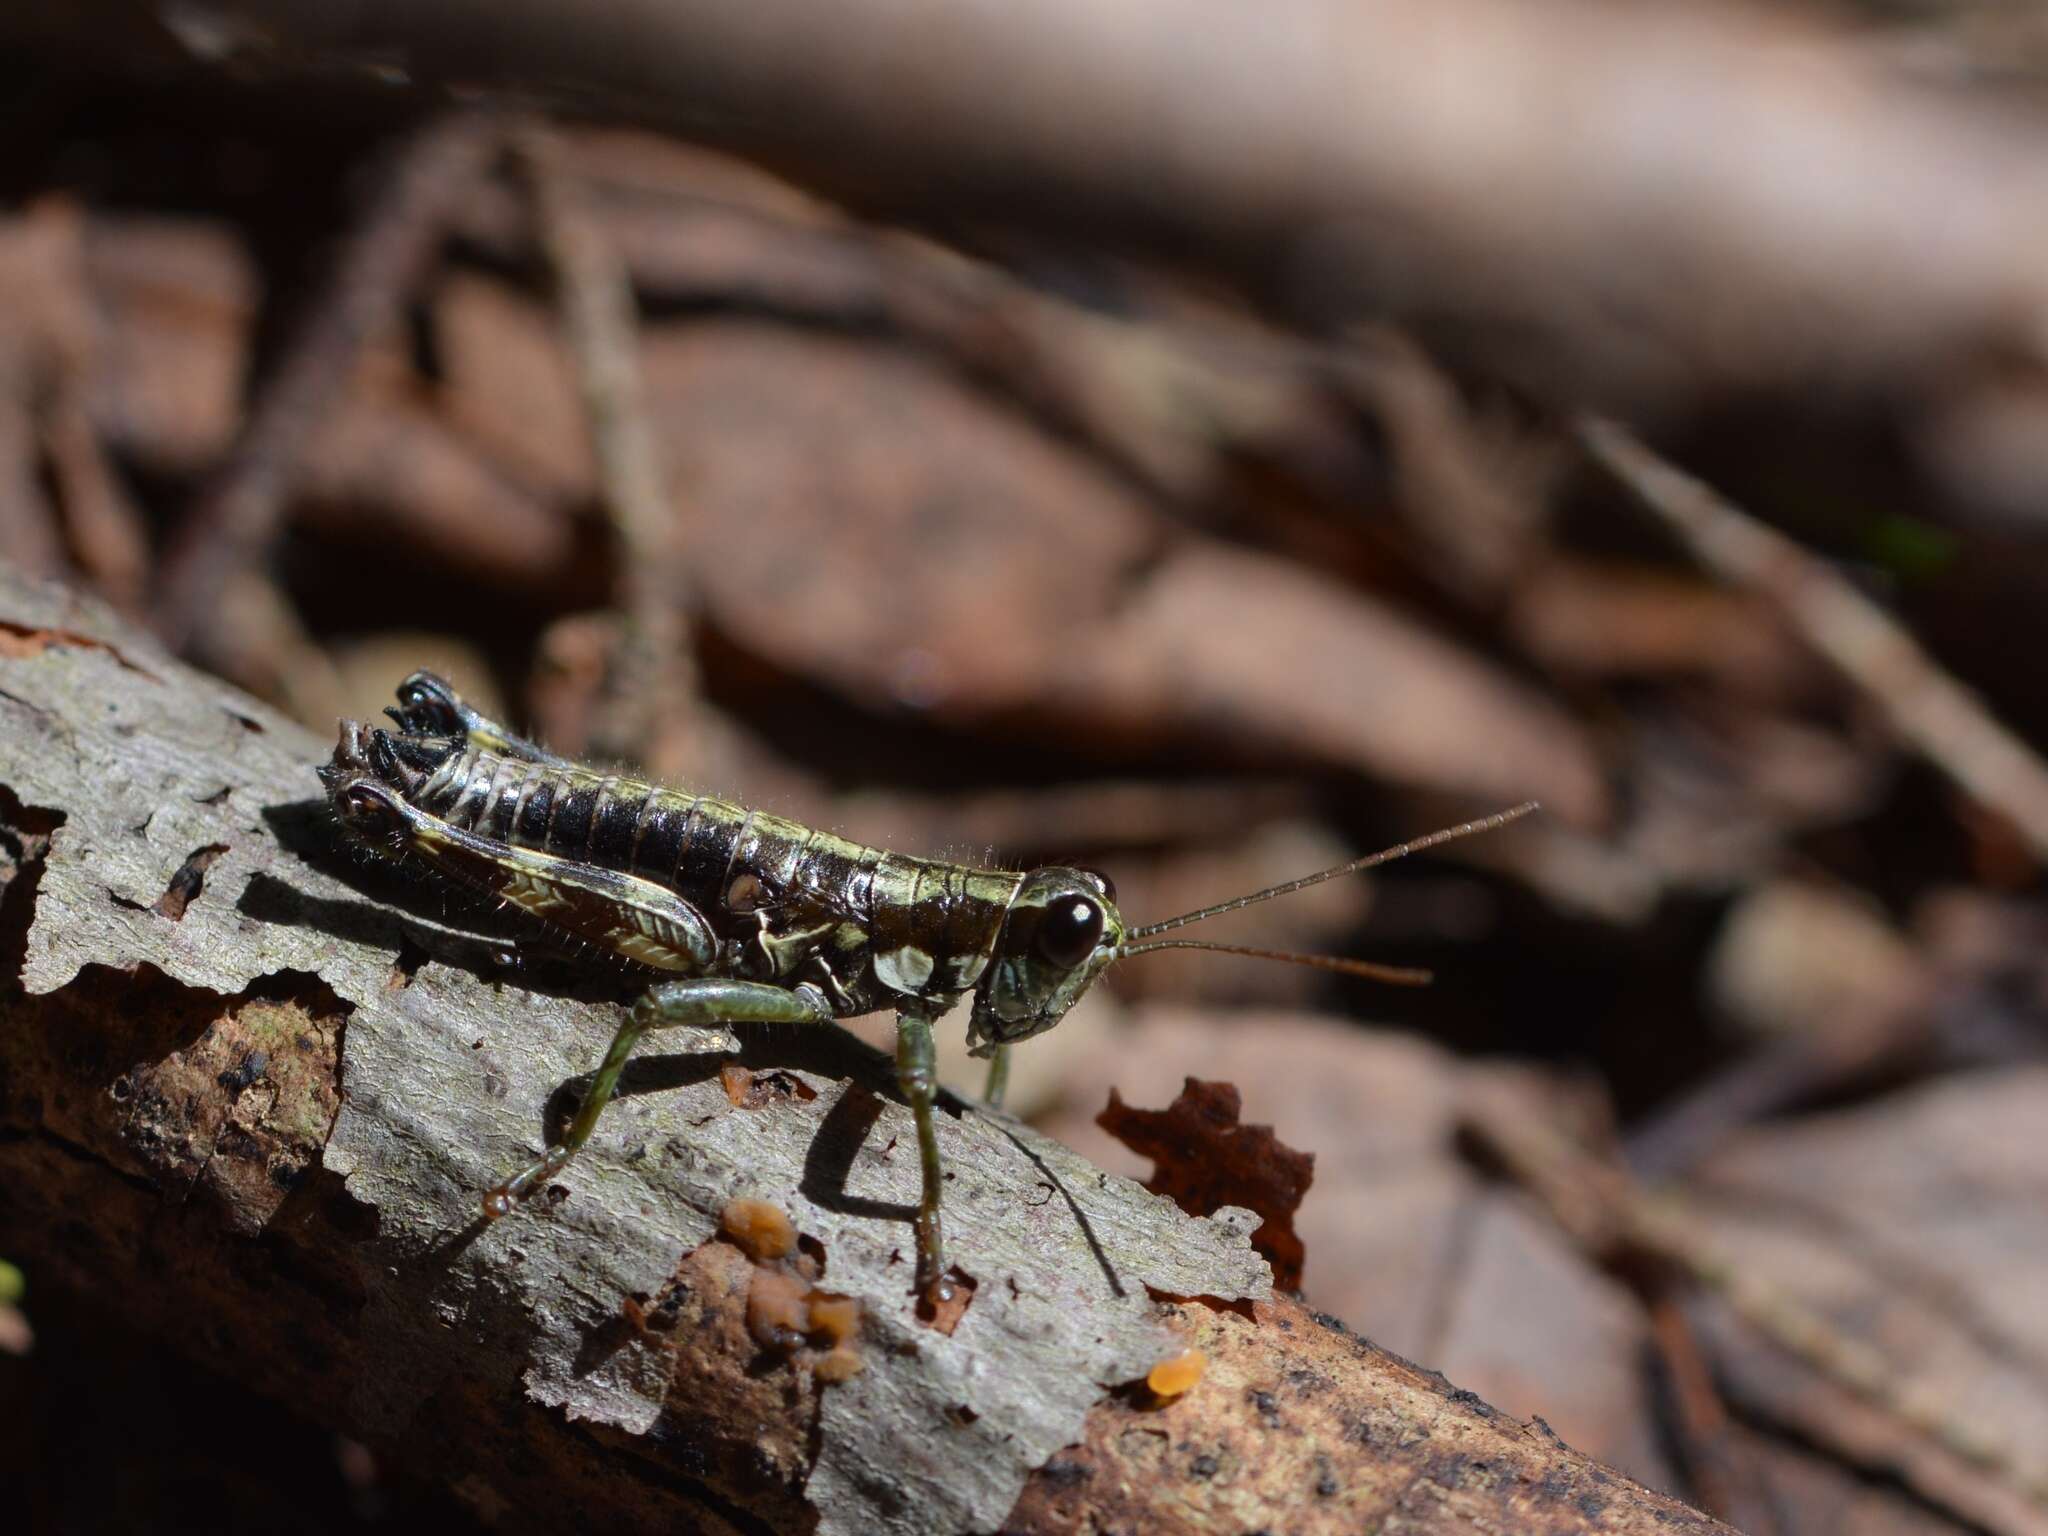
{"points": [[250, 1091]]}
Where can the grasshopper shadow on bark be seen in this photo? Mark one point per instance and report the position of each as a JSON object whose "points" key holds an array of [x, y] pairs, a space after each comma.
{"points": [[866, 1078]]}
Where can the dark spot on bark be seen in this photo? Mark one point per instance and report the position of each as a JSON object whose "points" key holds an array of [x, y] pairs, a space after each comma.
{"points": [[249, 1069], [255, 727], [1204, 1466], [960, 1413], [1592, 1506], [1269, 1410], [1466, 1397], [1062, 1473], [406, 965], [187, 881], [218, 797]]}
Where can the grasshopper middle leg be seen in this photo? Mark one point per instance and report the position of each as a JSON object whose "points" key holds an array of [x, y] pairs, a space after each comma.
{"points": [[698, 1001], [998, 1078]]}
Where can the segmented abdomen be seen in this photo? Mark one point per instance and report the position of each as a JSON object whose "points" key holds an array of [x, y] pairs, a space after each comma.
{"points": [[932, 925], [720, 857]]}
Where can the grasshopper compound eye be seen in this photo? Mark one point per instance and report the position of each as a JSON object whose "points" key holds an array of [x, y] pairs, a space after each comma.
{"points": [[1069, 931], [367, 808]]}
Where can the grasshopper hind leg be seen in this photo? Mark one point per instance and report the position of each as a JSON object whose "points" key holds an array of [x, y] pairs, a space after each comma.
{"points": [[699, 1001]]}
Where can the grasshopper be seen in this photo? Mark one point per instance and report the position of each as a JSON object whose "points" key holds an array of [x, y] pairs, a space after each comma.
{"points": [[734, 916]]}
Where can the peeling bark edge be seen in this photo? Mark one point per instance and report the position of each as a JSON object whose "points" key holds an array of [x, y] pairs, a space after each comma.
{"points": [[166, 1148]]}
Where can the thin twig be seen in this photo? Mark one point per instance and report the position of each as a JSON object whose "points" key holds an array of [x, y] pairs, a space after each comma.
{"points": [[652, 673], [236, 520], [1923, 704], [109, 537]]}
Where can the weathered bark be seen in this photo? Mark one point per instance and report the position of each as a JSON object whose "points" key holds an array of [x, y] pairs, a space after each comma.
{"points": [[250, 1090]]}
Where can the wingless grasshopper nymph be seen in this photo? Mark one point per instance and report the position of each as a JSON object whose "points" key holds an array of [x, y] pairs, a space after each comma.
{"points": [[734, 916]]}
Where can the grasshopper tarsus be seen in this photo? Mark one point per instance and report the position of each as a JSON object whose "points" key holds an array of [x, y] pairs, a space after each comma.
{"points": [[937, 1292], [735, 916], [518, 1189]]}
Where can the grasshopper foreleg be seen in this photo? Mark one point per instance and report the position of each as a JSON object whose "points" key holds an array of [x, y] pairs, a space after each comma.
{"points": [[918, 1076], [700, 1001]]}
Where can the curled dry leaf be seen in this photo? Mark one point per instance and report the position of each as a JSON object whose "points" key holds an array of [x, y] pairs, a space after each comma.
{"points": [[1204, 1159]]}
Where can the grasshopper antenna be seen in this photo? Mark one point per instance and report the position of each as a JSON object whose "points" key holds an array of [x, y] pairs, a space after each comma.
{"points": [[1288, 888], [1395, 975]]}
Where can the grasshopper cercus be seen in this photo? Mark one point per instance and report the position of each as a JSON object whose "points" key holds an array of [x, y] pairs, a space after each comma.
{"points": [[734, 916]]}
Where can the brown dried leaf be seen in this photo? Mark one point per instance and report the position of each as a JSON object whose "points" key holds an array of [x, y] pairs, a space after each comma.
{"points": [[824, 472], [1252, 651], [176, 301], [1204, 1159]]}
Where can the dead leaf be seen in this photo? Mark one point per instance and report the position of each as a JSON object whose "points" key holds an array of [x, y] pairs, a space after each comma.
{"points": [[1204, 1160]]}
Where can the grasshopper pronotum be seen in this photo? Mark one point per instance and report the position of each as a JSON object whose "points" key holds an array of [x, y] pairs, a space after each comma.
{"points": [[736, 916]]}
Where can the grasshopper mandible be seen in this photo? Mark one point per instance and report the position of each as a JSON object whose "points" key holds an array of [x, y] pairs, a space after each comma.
{"points": [[735, 916]]}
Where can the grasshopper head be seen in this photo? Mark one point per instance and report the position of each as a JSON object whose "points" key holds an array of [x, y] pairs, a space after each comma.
{"points": [[1063, 930], [1060, 933]]}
